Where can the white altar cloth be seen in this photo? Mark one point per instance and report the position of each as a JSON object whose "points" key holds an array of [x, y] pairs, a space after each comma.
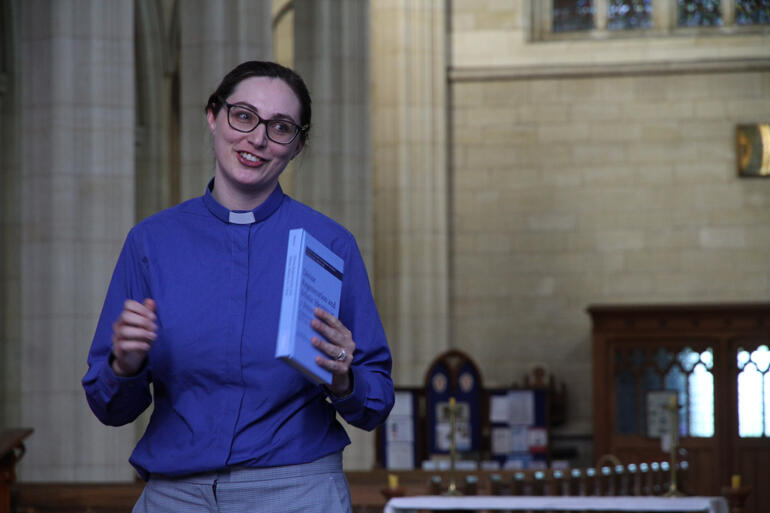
{"points": [[558, 503]]}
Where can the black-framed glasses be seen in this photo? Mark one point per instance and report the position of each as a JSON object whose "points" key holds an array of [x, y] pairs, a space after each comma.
{"points": [[244, 119]]}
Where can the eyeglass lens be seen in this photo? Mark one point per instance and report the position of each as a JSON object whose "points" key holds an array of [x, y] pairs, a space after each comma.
{"points": [[246, 120]]}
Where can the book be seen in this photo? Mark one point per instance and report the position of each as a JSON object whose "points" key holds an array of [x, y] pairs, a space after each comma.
{"points": [[313, 277]]}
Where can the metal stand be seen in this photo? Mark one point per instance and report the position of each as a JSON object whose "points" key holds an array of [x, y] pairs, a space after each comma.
{"points": [[673, 408], [452, 490]]}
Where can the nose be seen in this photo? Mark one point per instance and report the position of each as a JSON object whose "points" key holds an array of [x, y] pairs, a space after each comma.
{"points": [[258, 136]]}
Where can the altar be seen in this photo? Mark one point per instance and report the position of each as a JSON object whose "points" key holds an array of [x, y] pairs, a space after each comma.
{"points": [[560, 503]]}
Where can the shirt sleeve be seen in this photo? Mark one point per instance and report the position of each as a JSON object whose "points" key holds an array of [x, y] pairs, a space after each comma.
{"points": [[117, 400], [372, 397]]}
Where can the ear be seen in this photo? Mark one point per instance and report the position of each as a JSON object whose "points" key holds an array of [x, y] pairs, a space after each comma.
{"points": [[212, 120]]}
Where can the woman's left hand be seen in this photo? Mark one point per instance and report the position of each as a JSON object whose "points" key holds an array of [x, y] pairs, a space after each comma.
{"points": [[338, 346]]}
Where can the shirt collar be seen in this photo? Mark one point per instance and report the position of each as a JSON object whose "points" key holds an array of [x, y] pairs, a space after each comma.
{"points": [[260, 213]]}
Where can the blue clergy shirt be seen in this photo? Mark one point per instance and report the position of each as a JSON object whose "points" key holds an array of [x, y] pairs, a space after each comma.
{"points": [[221, 398]]}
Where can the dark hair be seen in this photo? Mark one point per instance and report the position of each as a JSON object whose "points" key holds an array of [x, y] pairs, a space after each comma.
{"points": [[250, 69]]}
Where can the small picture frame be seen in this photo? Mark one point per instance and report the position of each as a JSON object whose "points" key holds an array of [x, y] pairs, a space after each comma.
{"points": [[659, 412]]}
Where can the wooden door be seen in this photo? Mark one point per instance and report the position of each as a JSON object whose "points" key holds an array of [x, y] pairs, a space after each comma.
{"points": [[748, 452], [738, 336]]}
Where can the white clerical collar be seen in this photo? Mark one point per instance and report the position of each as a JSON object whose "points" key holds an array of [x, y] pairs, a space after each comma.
{"points": [[241, 217]]}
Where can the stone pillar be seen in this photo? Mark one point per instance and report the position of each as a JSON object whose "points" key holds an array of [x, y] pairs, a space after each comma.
{"points": [[216, 35], [334, 172], [411, 186], [601, 14], [10, 343], [664, 16], [728, 12], [157, 123], [331, 52], [76, 180]]}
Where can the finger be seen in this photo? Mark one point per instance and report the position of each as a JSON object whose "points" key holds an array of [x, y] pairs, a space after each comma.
{"points": [[332, 366], [327, 317], [149, 303], [135, 319], [124, 332], [127, 346], [330, 350], [327, 331], [146, 309], [336, 332]]}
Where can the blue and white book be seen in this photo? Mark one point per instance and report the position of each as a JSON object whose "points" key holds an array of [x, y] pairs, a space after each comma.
{"points": [[313, 277]]}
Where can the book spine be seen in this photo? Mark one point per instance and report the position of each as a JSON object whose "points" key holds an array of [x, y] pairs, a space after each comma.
{"points": [[289, 300]]}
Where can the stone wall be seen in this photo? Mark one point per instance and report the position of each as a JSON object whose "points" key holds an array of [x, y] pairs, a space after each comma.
{"points": [[614, 183]]}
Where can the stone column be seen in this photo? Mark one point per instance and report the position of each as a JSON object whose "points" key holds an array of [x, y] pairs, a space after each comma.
{"points": [[76, 180], [334, 172], [157, 123], [601, 14], [411, 186], [728, 12], [10, 343], [216, 35], [664, 16], [331, 52]]}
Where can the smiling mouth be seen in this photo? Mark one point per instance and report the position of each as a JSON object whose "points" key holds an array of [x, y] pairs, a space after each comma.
{"points": [[250, 159]]}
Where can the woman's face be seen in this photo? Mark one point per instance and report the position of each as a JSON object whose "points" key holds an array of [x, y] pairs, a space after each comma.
{"points": [[250, 163]]}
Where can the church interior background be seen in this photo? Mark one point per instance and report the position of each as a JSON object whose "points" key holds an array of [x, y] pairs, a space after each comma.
{"points": [[504, 164]]}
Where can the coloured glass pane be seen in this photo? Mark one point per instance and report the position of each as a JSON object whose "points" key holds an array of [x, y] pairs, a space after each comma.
{"points": [[573, 15], [699, 13], [687, 371], [752, 12], [754, 392], [629, 14], [701, 407]]}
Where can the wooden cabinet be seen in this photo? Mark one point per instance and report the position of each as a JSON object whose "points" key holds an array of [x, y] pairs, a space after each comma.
{"points": [[693, 350]]}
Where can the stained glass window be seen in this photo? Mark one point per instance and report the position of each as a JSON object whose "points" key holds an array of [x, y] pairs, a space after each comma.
{"points": [[701, 389], [752, 12], [699, 13], [629, 14], [573, 15], [754, 392], [688, 372]]}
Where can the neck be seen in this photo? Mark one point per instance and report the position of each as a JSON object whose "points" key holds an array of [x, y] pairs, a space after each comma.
{"points": [[234, 198]]}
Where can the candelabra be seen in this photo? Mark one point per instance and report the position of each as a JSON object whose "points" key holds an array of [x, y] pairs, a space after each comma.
{"points": [[452, 490], [673, 409]]}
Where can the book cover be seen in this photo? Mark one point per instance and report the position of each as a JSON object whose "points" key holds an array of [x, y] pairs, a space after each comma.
{"points": [[313, 277]]}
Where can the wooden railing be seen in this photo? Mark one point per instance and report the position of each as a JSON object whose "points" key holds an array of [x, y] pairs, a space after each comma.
{"points": [[370, 489], [11, 451]]}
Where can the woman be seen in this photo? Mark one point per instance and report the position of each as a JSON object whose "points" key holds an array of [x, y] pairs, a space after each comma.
{"points": [[193, 309]]}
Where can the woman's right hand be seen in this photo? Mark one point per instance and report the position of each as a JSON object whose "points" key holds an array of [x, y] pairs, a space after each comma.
{"points": [[132, 336]]}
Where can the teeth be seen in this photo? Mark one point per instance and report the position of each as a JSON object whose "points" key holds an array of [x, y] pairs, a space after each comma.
{"points": [[248, 156]]}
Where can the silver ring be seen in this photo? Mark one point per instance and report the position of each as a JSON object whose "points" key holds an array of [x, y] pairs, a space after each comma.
{"points": [[341, 357]]}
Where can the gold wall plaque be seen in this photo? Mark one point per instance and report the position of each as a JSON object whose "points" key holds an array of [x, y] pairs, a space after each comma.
{"points": [[753, 146]]}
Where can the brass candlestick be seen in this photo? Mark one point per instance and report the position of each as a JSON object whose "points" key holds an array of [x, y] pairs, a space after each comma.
{"points": [[673, 408], [452, 490]]}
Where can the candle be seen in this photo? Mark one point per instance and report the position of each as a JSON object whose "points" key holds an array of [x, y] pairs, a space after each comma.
{"points": [[392, 481], [736, 481]]}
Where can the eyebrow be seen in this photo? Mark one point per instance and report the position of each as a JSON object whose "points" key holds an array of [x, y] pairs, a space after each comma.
{"points": [[277, 116]]}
